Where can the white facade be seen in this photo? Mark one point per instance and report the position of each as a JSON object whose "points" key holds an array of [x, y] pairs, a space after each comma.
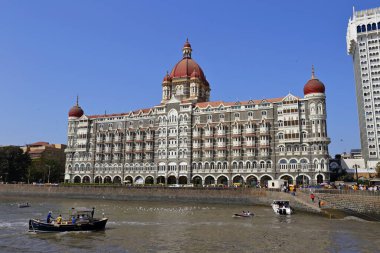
{"points": [[363, 41]]}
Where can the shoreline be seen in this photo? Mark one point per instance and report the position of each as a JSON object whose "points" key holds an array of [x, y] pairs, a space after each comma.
{"points": [[229, 196]]}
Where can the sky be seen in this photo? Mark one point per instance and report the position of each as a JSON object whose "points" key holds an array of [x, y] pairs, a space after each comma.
{"points": [[114, 55]]}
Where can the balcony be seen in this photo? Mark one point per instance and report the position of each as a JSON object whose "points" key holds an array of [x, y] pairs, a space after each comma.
{"points": [[221, 133]]}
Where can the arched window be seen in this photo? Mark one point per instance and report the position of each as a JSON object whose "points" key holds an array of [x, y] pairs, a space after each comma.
{"points": [[369, 27], [374, 26], [283, 164], [363, 28], [293, 164], [378, 25], [358, 29]]}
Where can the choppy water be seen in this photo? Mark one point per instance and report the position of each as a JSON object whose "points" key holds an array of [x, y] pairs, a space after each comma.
{"points": [[171, 227]]}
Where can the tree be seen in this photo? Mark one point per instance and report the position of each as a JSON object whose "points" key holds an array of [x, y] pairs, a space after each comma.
{"points": [[46, 171], [378, 170], [13, 164]]}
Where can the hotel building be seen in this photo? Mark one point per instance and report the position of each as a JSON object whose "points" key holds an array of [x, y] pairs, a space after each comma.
{"points": [[188, 139], [363, 41]]}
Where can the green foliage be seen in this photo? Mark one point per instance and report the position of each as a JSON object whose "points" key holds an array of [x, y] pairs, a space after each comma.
{"points": [[46, 171], [13, 164]]}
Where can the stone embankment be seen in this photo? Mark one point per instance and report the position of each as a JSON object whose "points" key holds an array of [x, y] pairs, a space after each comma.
{"points": [[366, 204]]}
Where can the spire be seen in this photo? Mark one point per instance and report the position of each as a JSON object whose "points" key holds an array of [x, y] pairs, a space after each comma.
{"points": [[77, 100], [312, 72], [186, 50]]}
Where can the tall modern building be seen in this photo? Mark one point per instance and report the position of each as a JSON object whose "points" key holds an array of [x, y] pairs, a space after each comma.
{"points": [[187, 138], [363, 41]]}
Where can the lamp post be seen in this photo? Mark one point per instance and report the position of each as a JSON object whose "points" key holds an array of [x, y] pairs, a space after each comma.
{"points": [[356, 172], [298, 175]]}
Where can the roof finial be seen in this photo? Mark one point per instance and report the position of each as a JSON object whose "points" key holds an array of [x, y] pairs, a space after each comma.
{"points": [[77, 100], [186, 50], [312, 72]]}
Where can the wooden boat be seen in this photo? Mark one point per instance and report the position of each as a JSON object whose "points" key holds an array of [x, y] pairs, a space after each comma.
{"points": [[23, 205], [282, 207], [86, 222], [243, 215]]}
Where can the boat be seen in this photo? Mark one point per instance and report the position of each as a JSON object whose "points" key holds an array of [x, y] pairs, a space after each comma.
{"points": [[282, 207], [243, 215], [84, 221], [22, 205]]}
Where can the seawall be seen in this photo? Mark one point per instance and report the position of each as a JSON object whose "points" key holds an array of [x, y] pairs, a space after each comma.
{"points": [[246, 196]]}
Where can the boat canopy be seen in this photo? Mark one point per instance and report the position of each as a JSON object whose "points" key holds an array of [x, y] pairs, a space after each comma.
{"points": [[280, 201], [81, 210]]}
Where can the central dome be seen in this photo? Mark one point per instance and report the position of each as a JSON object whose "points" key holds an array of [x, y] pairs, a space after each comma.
{"points": [[185, 67]]}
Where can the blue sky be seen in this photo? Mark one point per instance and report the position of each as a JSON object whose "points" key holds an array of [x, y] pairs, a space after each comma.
{"points": [[114, 54]]}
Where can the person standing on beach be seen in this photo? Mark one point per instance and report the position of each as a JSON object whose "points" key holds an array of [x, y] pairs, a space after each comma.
{"points": [[312, 197]]}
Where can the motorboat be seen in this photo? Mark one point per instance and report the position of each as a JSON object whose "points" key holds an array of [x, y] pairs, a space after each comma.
{"points": [[23, 205], [84, 221], [282, 207], [243, 215]]}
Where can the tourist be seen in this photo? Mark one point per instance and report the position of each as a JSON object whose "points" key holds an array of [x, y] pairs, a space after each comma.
{"points": [[312, 197], [92, 212], [73, 220], [319, 203], [49, 217], [59, 219]]}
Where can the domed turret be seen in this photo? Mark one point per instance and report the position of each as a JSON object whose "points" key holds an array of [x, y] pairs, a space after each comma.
{"points": [[167, 78], [313, 85], [185, 67], [76, 111], [195, 75]]}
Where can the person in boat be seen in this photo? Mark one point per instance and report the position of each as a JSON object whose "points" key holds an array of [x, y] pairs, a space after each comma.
{"points": [[59, 219], [73, 220], [248, 213], [92, 212], [49, 217]]}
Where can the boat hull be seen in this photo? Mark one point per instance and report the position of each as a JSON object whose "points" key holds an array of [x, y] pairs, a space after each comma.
{"points": [[39, 226], [238, 215]]}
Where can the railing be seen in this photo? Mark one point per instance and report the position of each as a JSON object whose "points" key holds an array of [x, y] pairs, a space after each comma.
{"points": [[347, 192]]}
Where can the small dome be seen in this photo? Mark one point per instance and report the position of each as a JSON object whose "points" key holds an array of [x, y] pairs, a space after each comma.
{"points": [[76, 111], [167, 78], [187, 44], [313, 85], [195, 75]]}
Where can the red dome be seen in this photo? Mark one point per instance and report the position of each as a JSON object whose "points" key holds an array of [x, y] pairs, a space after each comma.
{"points": [[185, 67], [313, 86], [187, 44], [76, 111], [167, 78]]}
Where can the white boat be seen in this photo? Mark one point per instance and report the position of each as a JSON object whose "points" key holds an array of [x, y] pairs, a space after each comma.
{"points": [[282, 207]]}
